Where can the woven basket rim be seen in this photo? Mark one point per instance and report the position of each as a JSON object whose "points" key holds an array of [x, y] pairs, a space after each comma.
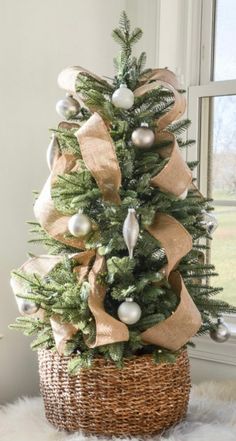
{"points": [[100, 360]]}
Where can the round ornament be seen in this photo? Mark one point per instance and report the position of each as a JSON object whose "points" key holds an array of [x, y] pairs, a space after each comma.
{"points": [[221, 332], [27, 308], [68, 107], [52, 150], [209, 222], [79, 225], [129, 312], [143, 137], [183, 195], [123, 97]]}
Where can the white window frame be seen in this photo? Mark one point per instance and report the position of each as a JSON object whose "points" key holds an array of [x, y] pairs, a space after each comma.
{"points": [[199, 114]]}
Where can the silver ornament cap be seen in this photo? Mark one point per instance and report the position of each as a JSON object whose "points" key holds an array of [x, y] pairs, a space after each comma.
{"points": [[68, 107], [123, 97], [131, 231], [221, 332], [79, 225], [52, 150], [129, 312], [143, 137]]}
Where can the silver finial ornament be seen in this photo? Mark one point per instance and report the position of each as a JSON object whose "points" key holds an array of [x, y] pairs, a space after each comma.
{"points": [[143, 137], [129, 312], [131, 231], [220, 333], [52, 150], [68, 107]]}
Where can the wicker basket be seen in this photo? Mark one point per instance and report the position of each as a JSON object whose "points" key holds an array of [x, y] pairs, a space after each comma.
{"points": [[143, 398]]}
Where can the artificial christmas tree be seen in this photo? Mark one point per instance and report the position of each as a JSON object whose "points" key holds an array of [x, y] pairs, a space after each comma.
{"points": [[124, 286]]}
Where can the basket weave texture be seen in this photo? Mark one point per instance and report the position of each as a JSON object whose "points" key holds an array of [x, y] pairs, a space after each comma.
{"points": [[142, 398]]}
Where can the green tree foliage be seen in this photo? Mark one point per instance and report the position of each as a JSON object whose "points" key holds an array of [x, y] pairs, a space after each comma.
{"points": [[60, 293]]}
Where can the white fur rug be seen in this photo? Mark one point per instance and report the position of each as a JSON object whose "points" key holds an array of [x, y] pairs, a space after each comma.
{"points": [[211, 417]]}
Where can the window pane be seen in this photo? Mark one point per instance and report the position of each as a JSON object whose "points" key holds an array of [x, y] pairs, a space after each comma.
{"points": [[225, 37], [223, 189]]}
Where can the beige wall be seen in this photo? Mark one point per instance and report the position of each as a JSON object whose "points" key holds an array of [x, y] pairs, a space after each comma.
{"points": [[38, 39]]}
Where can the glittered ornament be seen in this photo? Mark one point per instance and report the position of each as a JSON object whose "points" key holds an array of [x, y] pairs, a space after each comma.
{"points": [[52, 150], [68, 107], [143, 137], [123, 97], [183, 195], [79, 225], [129, 312], [131, 231], [220, 333], [209, 222]]}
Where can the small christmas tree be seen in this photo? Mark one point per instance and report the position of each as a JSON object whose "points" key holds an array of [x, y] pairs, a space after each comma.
{"points": [[122, 220]]}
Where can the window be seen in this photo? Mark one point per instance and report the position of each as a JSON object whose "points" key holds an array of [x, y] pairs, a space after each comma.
{"points": [[214, 128]]}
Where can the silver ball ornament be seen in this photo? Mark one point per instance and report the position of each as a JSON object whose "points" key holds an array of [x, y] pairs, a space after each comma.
{"points": [[220, 333], [183, 195], [209, 222], [143, 137], [68, 107], [79, 225], [27, 308], [123, 97], [131, 231], [129, 312], [52, 150]]}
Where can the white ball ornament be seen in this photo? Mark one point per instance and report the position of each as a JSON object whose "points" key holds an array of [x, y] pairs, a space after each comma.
{"points": [[68, 107], [143, 137], [209, 222], [129, 312], [79, 225], [123, 97]]}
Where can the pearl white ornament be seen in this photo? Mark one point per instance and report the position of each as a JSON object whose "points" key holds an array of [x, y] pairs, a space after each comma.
{"points": [[79, 225], [143, 137], [53, 149], [183, 195], [221, 333], [131, 231], [123, 97], [129, 312], [209, 222], [68, 107]]}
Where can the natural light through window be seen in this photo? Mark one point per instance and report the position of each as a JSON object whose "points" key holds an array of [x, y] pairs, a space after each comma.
{"points": [[223, 190], [225, 36]]}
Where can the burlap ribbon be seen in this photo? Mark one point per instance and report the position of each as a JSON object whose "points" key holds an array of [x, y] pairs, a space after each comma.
{"points": [[108, 329], [98, 152], [99, 156]]}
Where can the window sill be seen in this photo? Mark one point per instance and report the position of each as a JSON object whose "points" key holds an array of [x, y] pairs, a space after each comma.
{"points": [[207, 349]]}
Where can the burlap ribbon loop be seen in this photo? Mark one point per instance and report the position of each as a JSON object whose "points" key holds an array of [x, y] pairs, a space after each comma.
{"points": [[174, 238], [176, 330], [98, 152], [108, 329], [53, 221]]}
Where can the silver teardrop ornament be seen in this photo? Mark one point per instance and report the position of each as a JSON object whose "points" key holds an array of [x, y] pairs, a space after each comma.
{"points": [[52, 150], [131, 231]]}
